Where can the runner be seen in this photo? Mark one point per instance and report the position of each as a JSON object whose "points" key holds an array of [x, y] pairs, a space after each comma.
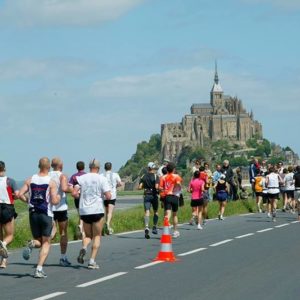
{"points": [[196, 187], [8, 192], [90, 188], [258, 187], [222, 195], [204, 176], [60, 211], [114, 181], [149, 183], [171, 185], [265, 198], [272, 182], [162, 194], [297, 189], [42, 195], [72, 182], [289, 189]]}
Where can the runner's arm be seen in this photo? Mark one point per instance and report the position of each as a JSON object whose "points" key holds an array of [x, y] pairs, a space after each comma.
{"points": [[24, 189], [54, 197], [65, 187]]}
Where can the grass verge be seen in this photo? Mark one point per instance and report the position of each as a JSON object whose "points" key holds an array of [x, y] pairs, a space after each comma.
{"points": [[127, 220]]}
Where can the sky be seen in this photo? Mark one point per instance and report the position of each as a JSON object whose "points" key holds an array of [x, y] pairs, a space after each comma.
{"points": [[84, 79]]}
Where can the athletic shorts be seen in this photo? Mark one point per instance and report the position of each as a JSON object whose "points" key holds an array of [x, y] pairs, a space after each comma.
{"points": [[172, 203], [205, 197], [40, 224], [297, 195], [222, 196], [273, 196], [197, 202], [258, 194], [290, 194], [90, 219], [7, 213], [265, 198], [107, 202], [150, 200], [60, 216], [76, 202]]}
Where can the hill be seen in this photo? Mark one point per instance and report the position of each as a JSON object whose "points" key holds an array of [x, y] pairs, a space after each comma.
{"points": [[215, 153]]}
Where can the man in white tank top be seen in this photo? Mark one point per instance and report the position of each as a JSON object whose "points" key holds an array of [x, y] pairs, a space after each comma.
{"points": [[114, 182], [60, 211], [42, 195], [91, 188]]}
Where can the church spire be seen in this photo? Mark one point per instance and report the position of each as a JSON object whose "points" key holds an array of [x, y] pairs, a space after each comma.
{"points": [[216, 73]]}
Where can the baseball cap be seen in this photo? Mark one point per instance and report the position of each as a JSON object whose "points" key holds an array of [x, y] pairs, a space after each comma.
{"points": [[151, 165], [94, 163]]}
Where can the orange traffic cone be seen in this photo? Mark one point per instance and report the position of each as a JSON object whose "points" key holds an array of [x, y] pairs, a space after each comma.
{"points": [[166, 253]]}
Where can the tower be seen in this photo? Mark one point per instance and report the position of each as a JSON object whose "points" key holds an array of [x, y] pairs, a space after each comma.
{"points": [[216, 93]]}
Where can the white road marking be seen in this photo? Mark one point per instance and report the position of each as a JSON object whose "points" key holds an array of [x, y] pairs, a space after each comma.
{"points": [[101, 279], [282, 225], [129, 232], [49, 296], [192, 252], [149, 265], [243, 236], [249, 214], [220, 243], [294, 222], [264, 230]]}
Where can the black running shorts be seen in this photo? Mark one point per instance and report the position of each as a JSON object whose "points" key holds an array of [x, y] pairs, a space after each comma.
{"points": [[172, 203], [60, 216], [197, 202], [40, 224], [90, 219], [151, 200], [107, 202], [7, 213]]}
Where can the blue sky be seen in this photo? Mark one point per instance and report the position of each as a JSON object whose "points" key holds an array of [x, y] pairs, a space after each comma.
{"points": [[91, 78]]}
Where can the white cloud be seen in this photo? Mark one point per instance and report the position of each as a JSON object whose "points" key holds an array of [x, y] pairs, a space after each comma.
{"points": [[63, 12], [43, 68]]}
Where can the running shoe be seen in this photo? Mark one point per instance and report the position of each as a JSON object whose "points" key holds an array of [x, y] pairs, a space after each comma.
{"points": [[3, 250], [93, 266], [109, 231], [221, 218], [154, 230], [147, 236], [199, 227], [176, 234], [64, 262], [269, 215], [204, 222], [27, 251], [192, 222], [81, 255], [39, 274], [3, 263]]}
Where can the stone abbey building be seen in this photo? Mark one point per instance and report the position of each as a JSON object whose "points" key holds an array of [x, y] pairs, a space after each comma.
{"points": [[224, 118]]}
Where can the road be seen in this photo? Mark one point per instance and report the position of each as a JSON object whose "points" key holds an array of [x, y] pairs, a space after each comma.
{"points": [[243, 257]]}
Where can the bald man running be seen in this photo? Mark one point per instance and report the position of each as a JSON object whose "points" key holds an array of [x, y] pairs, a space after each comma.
{"points": [[42, 195]]}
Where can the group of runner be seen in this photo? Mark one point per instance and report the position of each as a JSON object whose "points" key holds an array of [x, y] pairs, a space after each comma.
{"points": [[46, 195], [95, 196]]}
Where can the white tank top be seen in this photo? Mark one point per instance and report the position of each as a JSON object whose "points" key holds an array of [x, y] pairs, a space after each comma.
{"points": [[5, 197], [62, 206], [273, 184]]}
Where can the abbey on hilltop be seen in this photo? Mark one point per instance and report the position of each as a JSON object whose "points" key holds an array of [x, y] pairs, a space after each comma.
{"points": [[224, 118]]}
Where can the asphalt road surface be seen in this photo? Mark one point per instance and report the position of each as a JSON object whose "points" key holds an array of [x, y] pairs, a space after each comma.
{"points": [[243, 257]]}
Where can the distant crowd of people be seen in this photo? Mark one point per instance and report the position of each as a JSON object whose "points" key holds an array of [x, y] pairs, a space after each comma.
{"points": [[95, 197]]}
